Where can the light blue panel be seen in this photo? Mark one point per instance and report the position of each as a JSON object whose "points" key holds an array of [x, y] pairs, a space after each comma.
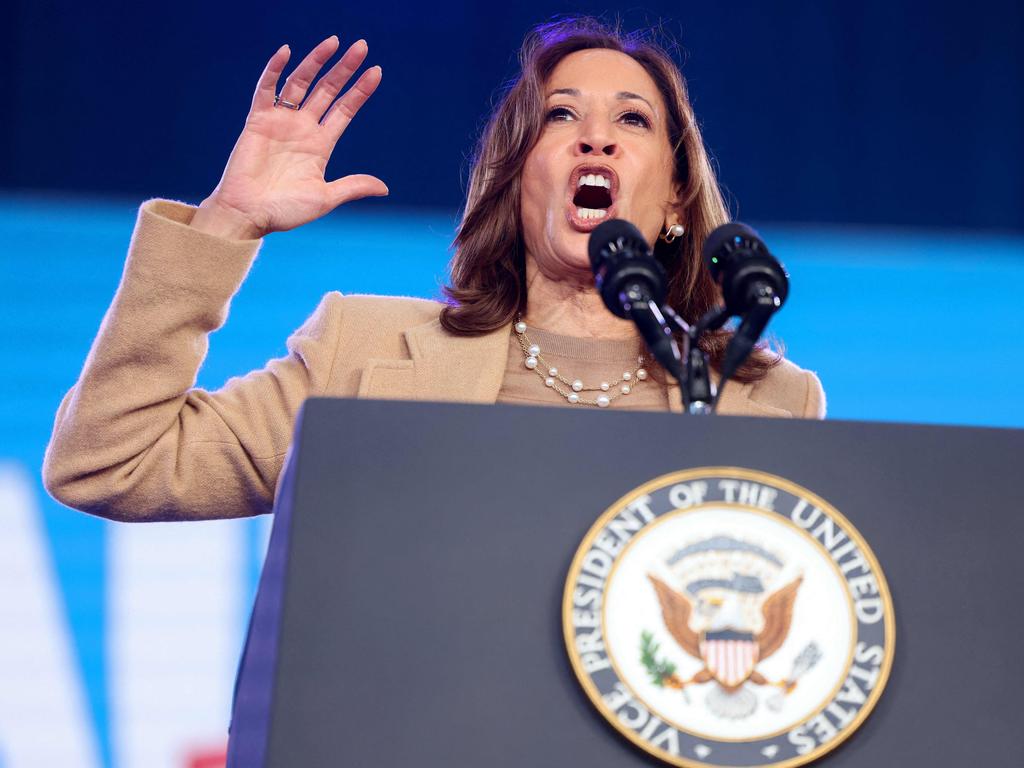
{"points": [[905, 326], [57, 271]]}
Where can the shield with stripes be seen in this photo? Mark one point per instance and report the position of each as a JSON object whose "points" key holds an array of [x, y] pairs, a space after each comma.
{"points": [[730, 655]]}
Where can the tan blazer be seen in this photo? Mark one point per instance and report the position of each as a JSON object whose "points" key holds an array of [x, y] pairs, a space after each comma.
{"points": [[134, 440]]}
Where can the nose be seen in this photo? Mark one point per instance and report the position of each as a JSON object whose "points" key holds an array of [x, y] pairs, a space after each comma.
{"points": [[596, 149], [595, 139]]}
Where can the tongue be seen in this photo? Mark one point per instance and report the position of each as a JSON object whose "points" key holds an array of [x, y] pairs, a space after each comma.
{"points": [[592, 197]]}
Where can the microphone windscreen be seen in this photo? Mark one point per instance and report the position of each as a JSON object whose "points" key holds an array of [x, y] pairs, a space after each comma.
{"points": [[608, 232], [727, 234]]}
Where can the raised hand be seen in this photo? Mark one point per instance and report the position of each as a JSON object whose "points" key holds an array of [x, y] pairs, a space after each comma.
{"points": [[274, 179]]}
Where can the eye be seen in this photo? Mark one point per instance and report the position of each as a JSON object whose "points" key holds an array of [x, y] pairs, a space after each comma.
{"points": [[559, 115], [638, 119]]}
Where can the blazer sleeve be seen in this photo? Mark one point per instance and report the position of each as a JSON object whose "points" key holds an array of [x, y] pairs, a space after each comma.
{"points": [[814, 399], [134, 439]]}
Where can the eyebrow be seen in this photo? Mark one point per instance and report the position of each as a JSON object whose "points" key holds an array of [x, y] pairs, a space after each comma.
{"points": [[621, 95]]}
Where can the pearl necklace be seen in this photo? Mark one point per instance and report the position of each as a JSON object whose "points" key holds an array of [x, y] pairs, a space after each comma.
{"points": [[551, 375]]}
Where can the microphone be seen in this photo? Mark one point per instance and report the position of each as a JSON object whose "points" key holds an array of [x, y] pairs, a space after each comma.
{"points": [[633, 285], [743, 267], [754, 285]]}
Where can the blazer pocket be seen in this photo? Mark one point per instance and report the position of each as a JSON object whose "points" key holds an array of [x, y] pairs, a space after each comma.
{"points": [[389, 380]]}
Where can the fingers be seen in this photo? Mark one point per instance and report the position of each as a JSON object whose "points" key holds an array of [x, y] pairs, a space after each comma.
{"points": [[330, 85], [302, 76], [344, 109], [266, 88], [355, 187]]}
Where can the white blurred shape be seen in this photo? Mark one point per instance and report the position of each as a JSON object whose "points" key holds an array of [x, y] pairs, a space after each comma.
{"points": [[175, 594], [44, 718]]}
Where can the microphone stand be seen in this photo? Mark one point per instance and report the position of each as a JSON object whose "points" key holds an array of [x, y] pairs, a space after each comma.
{"points": [[633, 284], [691, 368], [698, 391], [752, 324], [699, 394]]}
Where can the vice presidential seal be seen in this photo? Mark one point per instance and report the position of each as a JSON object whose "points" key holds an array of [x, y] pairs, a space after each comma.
{"points": [[725, 617]]}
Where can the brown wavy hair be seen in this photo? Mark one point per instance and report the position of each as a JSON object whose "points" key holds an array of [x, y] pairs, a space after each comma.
{"points": [[488, 270]]}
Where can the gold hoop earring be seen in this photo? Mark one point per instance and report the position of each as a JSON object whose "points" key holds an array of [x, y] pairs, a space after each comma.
{"points": [[672, 232]]}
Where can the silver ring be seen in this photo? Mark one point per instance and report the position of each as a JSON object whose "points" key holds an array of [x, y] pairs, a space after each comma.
{"points": [[279, 102]]}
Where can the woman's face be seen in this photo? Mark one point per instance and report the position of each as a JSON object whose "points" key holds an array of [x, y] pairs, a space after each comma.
{"points": [[603, 153]]}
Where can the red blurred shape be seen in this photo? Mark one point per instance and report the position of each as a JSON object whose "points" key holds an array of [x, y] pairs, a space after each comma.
{"points": [[206, 758]]}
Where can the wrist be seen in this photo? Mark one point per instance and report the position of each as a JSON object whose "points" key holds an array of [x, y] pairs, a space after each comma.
{"points": [[215, 218]]}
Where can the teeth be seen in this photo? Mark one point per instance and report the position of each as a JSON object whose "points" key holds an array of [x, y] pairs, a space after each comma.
{"points": [[591, 213], [594, 180]]}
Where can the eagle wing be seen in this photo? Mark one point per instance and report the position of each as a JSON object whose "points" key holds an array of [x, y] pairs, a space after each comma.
{"points": [[676, 609], [778, 615]]}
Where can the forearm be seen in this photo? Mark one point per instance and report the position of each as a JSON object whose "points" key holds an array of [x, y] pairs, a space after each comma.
{"points": [[121, 431]]}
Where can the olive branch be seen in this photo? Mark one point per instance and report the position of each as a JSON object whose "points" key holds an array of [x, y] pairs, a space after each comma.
{"points": [[660, 670]]}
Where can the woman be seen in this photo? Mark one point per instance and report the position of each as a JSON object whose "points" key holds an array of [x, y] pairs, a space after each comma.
{"points": [[597, 126]]}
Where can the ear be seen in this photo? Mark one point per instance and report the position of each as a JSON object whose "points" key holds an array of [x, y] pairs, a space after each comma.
{"points": [[673, 215], [674, 206]]}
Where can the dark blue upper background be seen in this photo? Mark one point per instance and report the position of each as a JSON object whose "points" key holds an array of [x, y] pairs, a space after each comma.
{"points": [[862, 112]]}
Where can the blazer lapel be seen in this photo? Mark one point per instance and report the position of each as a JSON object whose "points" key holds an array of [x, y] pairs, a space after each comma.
{"points": [[441, 367]]}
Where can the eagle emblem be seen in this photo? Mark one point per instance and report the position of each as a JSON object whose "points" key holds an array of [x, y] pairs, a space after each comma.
{"points": [[727, 624]]}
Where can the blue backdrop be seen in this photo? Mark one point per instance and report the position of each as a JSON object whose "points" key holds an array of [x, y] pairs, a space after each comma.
{"points": [[879, 111]]}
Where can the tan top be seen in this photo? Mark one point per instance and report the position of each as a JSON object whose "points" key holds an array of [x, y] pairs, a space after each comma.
{"points": [[135, 440], [592, 361]]}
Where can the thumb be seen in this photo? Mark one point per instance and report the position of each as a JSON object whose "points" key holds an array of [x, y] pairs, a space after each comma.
{"points": [[355, 187]]}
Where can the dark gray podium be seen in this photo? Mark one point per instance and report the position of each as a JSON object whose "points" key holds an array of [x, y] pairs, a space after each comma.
{"points": [[409, 611]]}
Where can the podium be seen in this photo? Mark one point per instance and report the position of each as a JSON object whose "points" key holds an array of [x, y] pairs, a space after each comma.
{"points": [[410, 609]]}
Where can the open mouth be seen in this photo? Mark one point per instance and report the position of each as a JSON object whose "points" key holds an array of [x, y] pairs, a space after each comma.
{"points": [[593, 190]]}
